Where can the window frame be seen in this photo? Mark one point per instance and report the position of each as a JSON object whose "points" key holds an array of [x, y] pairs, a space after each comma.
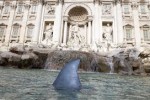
{"points": [[146, 36], [29, 35], [4, 30], [16, 34]]}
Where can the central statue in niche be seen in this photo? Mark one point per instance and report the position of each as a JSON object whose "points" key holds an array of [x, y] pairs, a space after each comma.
{"points": [[75, 38]]}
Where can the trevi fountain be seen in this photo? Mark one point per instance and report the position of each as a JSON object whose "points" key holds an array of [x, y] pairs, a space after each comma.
{"points": [[111, 38]]}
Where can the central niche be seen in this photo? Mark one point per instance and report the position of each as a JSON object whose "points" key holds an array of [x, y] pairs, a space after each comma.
{"points": [[78, 14]]}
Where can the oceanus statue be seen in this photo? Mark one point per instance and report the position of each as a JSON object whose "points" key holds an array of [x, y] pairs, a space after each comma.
{"points": [[68, 78]]}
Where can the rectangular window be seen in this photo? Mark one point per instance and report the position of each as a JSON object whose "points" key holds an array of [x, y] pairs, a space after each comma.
{"points": [[33, 8], [6, 9], [20, 9], [2, 30], [15, 31], [29, 31], [143, 9], [126, 9], [128, 34], [146, 34]]}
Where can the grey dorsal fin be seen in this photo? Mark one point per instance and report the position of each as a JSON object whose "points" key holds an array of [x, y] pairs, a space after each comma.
{"points": [[68, 78]]}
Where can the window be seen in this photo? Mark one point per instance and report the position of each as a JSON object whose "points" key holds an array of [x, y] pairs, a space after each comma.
{"points": [[15, 31], [6, 9], [129, 33], [33, 8], [143, 8], [126, 9], [146, 34], [20, 8], [29, 31], [2, 31]]}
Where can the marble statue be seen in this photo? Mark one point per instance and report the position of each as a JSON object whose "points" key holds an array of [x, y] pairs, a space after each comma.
{"points": [[75, 38], [68, 78], [107, 35], [48, 34]]}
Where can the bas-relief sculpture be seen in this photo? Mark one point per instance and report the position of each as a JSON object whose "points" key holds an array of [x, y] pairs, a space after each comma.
{"points": [[107, 9], [50, 9]]}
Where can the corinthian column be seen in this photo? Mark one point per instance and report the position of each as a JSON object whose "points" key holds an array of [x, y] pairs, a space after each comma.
{"points": [[96, 21], [136, 24], [65, 31], [35, 36], [10, 22], [57, 22], [89, 38], [24, 25], [119, 22]]}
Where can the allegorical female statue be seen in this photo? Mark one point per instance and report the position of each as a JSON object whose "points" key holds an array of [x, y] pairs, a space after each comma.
{"points": [[48, 34], [107, 36]]}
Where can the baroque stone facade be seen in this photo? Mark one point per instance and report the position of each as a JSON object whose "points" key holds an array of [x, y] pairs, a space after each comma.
{"points": [[78, 24]]}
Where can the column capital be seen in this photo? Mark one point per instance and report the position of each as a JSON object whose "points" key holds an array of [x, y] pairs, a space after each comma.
{"points": [[96, 1], [13, 6], [149, 5], [65, 18], [27, 6], [1, 6], [60, 1], [90, 18], [134, 5], [118, 1]]}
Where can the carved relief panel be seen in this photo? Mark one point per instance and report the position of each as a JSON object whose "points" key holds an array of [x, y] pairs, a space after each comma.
{"points": [[50, 8], [107, 9]]}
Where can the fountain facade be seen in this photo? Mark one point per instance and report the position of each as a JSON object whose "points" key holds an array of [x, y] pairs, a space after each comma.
{"points": [[97, 25]]}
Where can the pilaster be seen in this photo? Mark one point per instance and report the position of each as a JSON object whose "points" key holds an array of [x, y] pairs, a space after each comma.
{"points": [[58, 21], [35, 36], [10, 22], [89, 38], [119, 22], [65, 30], [24, 23], [96, 22], [136, 23]]}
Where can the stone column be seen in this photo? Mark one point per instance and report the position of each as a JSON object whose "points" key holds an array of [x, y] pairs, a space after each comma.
{"points": [[119, 22], [96, 21], [85, 31], [36, 31], [89, 38], [10, 22], [1, 7], [114, 26], [65, 31], [58, 21], [24, 24], [136, 24], [100, 23]]}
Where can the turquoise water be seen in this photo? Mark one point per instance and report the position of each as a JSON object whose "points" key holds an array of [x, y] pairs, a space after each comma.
{"points": [[17, 84]]}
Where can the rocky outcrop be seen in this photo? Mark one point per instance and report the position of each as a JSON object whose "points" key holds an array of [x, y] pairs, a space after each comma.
{"points": [[145, 56], [23, 57], [124, 61]]}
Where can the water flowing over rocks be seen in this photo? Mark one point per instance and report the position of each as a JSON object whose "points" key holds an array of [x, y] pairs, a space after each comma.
{"points": [[129, 61]]}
